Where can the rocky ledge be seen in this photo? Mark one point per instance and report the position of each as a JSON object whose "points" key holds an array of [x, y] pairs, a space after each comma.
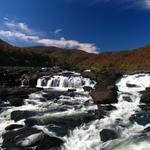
{"points": [[105, 91]]}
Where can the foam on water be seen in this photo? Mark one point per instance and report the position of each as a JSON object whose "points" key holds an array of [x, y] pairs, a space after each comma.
{"points": [[61, 82], [87, 137], [52, 107]]}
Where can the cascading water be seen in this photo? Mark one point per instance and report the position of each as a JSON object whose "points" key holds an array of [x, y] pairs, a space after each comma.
{"points": [[47, 107], [87, 137], [64, 82]]}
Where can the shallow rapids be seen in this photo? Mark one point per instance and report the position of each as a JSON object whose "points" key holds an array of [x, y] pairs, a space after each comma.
{"points": [[57, 109]]}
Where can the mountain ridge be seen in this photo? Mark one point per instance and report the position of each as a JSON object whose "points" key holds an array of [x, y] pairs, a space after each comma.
{"points": [[11, 55]]}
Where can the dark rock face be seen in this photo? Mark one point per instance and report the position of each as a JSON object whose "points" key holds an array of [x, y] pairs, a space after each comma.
{"points": [[18, 115], [108, 134], [16, 101], [15, 96], [131, 85], [146, 96], [72, 120], [14, 126], [49, 142], [25, 138], [145, 107], [105, 91], [13, 76], [141, 118], [87, 88], [104, 96]]}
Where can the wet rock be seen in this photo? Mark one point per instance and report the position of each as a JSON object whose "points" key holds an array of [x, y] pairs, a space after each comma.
{"points": [[72, 119], [105, 91], [54, 94], [108, 134], [146, 96], [103, 110], [14, 126], [141, 118], [71, 90], [104, 96], [127, 98], [3, 94], [49, 142], [87, 88], [16, 101], [145, 107], [30, 137], [147, 129], [19, 115], [92, 74], [131, 85], [106, 107], [12, 138]]}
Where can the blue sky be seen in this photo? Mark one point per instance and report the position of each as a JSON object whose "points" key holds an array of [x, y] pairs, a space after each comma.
{"points": [[90, 25]]}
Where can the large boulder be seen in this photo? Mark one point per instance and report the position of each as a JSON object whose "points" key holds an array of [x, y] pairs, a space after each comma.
{"points": [[16, 101], [20, 114], [108, 134], [49, 142], [105, 91], [71, 120], [105, 96], [146, 96], [142, 118], [26, 138]]}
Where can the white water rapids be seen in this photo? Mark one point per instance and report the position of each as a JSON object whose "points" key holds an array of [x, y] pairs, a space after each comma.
{"points": [[87, 136]]}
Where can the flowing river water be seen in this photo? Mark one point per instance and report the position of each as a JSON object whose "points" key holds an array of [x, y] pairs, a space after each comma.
{"points": [[73, 101]]}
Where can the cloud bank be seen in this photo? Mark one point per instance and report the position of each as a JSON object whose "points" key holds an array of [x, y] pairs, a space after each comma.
{"points": [[140, 4], [21, 31]]}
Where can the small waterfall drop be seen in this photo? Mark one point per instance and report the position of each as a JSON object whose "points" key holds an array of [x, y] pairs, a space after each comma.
{"points": [[64, 82]]}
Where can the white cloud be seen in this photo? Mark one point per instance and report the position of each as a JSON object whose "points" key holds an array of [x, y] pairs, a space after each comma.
{"points": [[62, 42], [20, 31], [13, 25], [5, 18], [18, 35], [57, 31], [144, 4], [147, 3]]}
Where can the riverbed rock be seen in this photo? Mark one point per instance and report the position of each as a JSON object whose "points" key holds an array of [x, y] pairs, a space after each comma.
{"points": [[142, 118], [145, 107], [26, 138], [14, 126], [108, 134], [104, 96], [87, 88], [72, 119], [20, 114], [105, 91], [147, 129], [49, 142], [16, 95], [16, 101], [146, 96]]}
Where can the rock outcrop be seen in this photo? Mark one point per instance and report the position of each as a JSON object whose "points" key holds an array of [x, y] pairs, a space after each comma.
{"points": [[146, 96], [105, 91]]}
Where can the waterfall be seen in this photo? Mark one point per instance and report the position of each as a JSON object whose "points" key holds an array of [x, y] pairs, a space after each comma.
{"points": [[64, 82]]}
